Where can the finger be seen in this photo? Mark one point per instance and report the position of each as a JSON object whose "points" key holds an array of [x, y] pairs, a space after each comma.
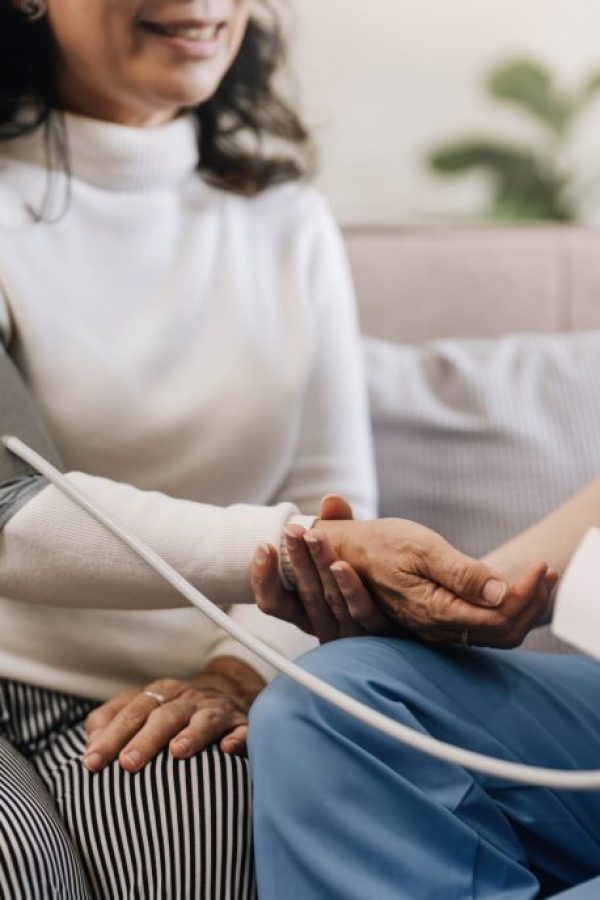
{"points": [[323, 557], [269, 593], [467, 578], [522, 609], [103, 715], [235, 741], [361, 605], [530, 580], [309, 587], [534, 596], [448, 614], [528, 594], [333, 506], [205, 727], [532, 616], [127, 722], [161, 726]]}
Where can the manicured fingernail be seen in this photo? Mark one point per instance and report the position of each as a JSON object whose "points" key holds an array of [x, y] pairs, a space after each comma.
{"points": [[92, 761], [133, 758], [494, 593], [313, 541], [182, 747], [339, 573], [261, 555]]}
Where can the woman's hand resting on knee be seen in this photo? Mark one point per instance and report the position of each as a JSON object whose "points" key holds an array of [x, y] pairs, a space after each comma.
{"points": [[186, 716], [392, 576]]}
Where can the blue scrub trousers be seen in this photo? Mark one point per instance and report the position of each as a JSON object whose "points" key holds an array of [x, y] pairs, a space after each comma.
{"points": [[345, 813]]}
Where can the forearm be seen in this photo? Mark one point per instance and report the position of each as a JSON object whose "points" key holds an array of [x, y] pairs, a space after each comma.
{"points": [[553, 539], [53, 553]]}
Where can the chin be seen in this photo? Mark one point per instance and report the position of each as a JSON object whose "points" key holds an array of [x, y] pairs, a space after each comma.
{"points": [[186, 91]]}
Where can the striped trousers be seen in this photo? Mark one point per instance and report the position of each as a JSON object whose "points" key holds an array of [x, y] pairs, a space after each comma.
{"points": [[177, 830]]}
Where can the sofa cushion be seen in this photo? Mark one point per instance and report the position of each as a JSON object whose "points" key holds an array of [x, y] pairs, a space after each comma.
{"points": [[478, 439]]}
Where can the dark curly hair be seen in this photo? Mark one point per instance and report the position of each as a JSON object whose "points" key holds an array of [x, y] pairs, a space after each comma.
{"points": [[249, 137]]}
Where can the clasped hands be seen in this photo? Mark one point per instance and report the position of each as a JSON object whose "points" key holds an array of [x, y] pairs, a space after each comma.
{"points": [[386, 577], [394, 577]]}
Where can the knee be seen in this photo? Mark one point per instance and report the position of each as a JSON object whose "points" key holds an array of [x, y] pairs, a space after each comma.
{"points": [[357, 666], [284, 701], [286, 713], [271, 714]]}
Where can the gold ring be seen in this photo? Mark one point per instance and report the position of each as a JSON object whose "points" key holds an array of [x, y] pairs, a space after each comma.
{"points": [[154, 695]]}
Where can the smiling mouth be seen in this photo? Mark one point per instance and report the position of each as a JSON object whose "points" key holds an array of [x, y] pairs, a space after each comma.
{"points": [[196, 32]]}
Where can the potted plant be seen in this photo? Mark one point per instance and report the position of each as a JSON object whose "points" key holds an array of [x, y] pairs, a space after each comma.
{"points": [[529, 181]]}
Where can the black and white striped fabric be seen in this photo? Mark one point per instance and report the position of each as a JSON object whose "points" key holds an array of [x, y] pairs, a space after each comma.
{"points": [[177, 830]]}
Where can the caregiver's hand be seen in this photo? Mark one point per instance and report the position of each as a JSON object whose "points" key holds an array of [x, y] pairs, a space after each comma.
{"points": [[431, 589], [213, 706]]}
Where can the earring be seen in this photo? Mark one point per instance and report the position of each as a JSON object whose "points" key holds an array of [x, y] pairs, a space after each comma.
{"points": [[34, 9]]}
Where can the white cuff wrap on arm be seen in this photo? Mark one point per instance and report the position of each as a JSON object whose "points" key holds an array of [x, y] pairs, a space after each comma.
{"points": [[53, 553]]}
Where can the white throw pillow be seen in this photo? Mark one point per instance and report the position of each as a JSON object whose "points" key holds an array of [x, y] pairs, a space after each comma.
{"points": [[478, 439]]}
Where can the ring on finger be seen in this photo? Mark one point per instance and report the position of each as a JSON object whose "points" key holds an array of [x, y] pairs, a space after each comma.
{"points": [[155, 695]]}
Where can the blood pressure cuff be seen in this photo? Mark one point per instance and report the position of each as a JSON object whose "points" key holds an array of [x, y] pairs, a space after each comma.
{"points": [[19, 417]]}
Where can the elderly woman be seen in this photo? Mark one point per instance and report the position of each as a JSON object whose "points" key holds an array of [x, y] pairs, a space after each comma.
{"points": [[179, 331], [344, 812]]}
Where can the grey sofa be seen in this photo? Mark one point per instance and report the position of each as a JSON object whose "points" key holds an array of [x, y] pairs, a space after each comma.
{"points": [[416, 284], [446, 431]]}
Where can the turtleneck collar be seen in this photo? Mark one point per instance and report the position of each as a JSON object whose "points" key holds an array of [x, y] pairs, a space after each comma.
{"points": [[120, 157]]}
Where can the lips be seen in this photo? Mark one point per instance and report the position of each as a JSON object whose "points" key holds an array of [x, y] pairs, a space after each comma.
{"points": [[197, 32]]}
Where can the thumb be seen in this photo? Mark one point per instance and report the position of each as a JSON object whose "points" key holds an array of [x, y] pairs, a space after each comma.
{"points": [[333, 506], [466, 578]]}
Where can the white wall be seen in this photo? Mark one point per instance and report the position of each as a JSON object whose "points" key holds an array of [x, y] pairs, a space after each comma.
{"points": [[383, 80]]}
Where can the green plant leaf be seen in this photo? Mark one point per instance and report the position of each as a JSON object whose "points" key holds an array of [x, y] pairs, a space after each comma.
{"points": [[524, 186], [476, 153], [589, 91], [530, 85]]}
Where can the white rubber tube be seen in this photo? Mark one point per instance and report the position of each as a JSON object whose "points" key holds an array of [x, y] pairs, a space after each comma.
{"points": [[477, 762]]}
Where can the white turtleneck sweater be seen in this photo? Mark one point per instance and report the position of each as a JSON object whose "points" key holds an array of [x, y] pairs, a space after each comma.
{"points": [[195, 357]]}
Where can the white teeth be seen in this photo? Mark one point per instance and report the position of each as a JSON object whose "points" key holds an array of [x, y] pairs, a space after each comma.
{"points": [[205, 33]]}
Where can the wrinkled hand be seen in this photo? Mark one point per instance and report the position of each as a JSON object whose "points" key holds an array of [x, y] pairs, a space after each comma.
{"points": [[211, 707], [394, 576], [434, 591]]}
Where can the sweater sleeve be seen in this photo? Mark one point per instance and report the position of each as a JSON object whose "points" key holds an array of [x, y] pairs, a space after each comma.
{"points": [[334, 450], [53, 553]]}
